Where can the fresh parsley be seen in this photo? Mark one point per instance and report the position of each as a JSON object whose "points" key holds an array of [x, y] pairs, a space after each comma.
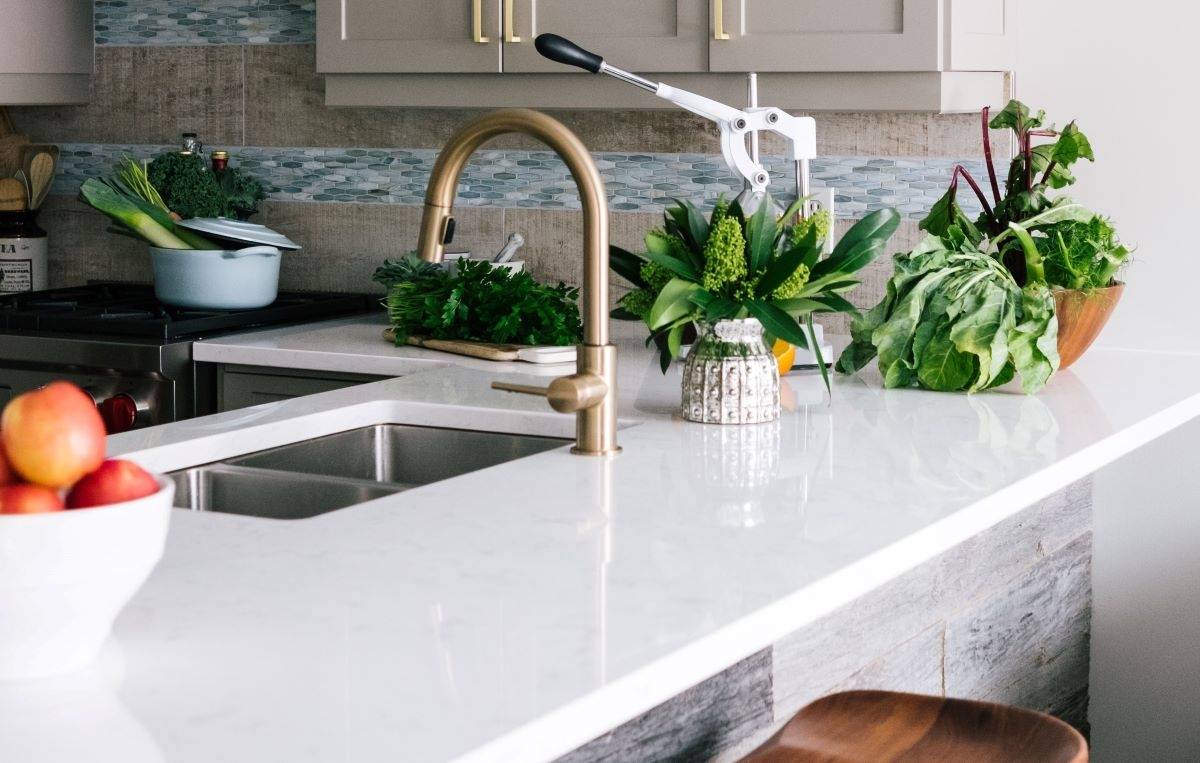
{"points": [[478, 302]]}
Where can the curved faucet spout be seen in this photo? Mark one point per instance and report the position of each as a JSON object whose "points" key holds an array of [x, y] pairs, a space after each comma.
{"points": [[592, 391], [443, 185]]}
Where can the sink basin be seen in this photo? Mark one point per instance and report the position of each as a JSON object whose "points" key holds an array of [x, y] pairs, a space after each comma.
{"points": [[324, 474], [400, 454], [262, 493]]}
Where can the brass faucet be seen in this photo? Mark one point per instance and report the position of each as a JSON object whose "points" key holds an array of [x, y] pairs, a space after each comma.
{"points": [[591, 392]]}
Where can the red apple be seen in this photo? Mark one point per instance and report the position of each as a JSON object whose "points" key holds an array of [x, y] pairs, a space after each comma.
{"points": [[115, 481], [7, 475], [54, 435], [29, 499]]}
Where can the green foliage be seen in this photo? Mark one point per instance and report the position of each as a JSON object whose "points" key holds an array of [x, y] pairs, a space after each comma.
{"points": [[477, 302], [242, 193], [793, 285], [820, 221], [731, 266], [190, 189], [655, 276], [955, 319], [1082, 255], [1034, 173], [724, 257], [973, 305], [186, 185]]}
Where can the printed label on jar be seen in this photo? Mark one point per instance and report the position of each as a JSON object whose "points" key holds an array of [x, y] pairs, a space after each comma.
{"points": [[16, 275], [23, 264]]}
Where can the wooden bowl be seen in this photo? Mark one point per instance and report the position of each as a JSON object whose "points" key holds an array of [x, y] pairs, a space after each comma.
{"points": [[1082, 314]]}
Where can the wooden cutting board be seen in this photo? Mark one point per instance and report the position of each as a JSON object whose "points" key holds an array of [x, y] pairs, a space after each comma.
{"points": [[487, 351]]}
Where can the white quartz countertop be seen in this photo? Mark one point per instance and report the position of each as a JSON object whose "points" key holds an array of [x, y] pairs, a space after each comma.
{"points": [[518, 612]]}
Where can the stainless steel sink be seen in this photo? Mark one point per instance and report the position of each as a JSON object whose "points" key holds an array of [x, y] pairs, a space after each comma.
{"points": [[404, 455], [262, 493], [316, 476]]}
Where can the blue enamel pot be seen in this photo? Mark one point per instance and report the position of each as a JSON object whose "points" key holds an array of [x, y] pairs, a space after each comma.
{"points": [[201, 279]]}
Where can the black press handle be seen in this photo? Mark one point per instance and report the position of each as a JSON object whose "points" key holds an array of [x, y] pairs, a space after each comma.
{"points": [[564, 51]]}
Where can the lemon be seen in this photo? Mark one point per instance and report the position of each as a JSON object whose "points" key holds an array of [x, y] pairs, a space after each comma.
{"points": [[785, 355]]}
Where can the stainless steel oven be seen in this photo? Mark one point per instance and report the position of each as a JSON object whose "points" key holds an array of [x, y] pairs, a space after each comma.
{"points": [[134, 384], [130, 353]]}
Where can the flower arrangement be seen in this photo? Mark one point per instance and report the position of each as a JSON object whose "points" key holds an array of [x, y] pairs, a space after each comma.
{"points": [[731, 265]]}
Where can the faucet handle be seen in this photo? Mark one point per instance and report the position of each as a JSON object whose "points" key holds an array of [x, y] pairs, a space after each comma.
{"points": [[566, 394]]}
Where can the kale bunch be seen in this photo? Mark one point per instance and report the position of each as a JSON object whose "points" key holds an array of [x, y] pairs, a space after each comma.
{"points": [[190, 189], [242, 193], [186, 185]]}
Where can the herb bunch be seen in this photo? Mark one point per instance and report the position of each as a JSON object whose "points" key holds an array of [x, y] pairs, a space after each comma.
{"points": [[731, 265], [479, 302]]}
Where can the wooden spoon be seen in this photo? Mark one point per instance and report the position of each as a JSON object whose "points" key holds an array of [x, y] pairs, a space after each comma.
{"points": [[28, 190], [12, 195], [41, 173]]}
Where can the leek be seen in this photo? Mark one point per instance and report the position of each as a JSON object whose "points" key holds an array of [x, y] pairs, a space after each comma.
{"points": [[126, 212], [131, 180]]}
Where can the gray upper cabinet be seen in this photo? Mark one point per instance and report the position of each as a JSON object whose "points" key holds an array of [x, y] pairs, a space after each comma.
{"points": [[408, 36], [862, 35], [826, 35], [921, 55], [46, 51], [638, 35]]}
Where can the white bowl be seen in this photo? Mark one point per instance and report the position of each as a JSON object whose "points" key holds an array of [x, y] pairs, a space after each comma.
{"points": [[65, 575]]}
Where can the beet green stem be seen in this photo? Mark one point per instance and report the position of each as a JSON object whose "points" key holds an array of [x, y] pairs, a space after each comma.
{"points": [[987, 154]]}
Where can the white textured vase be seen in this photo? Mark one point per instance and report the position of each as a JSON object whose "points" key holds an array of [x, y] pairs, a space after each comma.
{"points": [[730, 375]]}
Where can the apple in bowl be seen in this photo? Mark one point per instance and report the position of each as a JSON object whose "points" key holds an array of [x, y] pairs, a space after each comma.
{"points": [[79, 534]]}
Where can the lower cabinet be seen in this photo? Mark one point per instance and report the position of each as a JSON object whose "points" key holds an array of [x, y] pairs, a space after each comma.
{"points": [[244, 386]]}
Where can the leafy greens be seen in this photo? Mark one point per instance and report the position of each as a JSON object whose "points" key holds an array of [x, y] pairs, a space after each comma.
{"points": [[476, 301], [973, 306]]}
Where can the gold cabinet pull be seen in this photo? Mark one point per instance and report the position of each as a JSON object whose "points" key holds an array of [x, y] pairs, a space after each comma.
{"points": [[509, 32], [719, 32], [477, 22]]}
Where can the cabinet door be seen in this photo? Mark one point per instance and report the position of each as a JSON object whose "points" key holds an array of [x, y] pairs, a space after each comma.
{"points": [[637, 35], [983, 35], [399, 36], [827, 35], [242, 390], [46, 51]]}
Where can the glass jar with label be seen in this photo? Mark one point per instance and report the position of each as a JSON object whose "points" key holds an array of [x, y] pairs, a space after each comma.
{"points": [[23, 253]]}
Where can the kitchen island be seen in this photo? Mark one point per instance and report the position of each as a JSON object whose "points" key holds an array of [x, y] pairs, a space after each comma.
{"points": [[689, 593]]}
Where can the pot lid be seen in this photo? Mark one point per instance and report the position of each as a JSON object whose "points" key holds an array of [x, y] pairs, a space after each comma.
{"points": [[237, 230]]}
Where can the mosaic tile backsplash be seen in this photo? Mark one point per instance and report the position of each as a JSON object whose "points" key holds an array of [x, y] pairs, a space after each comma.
{"points": [[538, 179], [204, 22]]}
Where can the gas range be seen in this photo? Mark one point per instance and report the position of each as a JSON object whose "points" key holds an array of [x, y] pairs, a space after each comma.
{"points": [[132, 353]]}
